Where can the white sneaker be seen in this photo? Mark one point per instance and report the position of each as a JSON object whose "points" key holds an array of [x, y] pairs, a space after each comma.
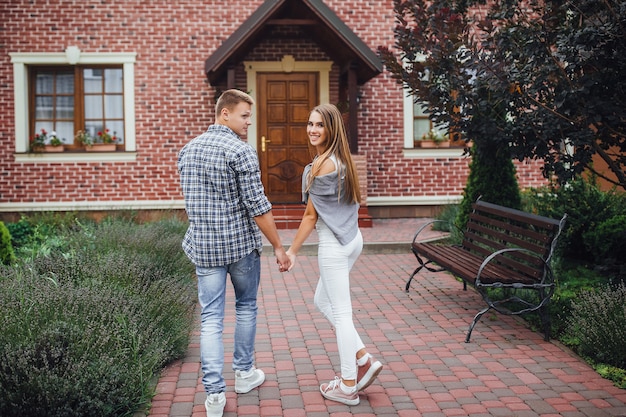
{"points": [[246, 381], [214, 404]]}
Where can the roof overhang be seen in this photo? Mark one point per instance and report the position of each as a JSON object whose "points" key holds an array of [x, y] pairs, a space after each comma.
{"points": [[342, 45]]}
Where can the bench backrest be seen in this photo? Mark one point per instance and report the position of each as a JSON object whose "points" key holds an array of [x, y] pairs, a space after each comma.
{"points": [[492, 227]]}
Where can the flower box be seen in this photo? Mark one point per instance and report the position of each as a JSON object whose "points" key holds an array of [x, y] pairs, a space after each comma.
{"points": [[53, 148], [101, 147]]}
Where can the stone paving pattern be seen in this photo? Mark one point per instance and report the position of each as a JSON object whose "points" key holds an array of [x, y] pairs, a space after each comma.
{"points": [[506, 370]]}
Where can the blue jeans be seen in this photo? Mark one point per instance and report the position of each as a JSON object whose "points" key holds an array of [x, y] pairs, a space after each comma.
{"points": [[245, 275]]}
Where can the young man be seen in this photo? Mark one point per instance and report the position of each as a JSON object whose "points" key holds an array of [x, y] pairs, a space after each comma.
{"points": [[226, 206]]}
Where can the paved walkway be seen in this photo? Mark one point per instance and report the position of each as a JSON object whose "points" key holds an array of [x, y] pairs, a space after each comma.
{"points": [[506, 370]]}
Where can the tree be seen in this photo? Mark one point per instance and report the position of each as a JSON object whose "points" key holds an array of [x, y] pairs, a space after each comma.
{"points": [[436, 65], [555, 69]]}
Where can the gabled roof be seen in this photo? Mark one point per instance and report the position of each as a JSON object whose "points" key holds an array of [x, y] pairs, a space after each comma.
{"points": [[324, 26]]}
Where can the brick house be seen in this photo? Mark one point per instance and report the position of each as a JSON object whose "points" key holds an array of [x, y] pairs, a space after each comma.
{"points": [[150, 72]]}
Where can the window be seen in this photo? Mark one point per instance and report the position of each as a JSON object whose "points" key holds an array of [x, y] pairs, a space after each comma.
{"points": [[421, 123], [72, 91], [69, 99], [416, 124]]}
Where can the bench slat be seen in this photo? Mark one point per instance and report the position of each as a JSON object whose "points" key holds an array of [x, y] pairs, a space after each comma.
{"points": [[535, 241], [465, 265], [518, 215]]}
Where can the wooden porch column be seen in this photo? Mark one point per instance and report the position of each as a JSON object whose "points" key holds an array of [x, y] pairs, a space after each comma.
{"points": [[353, 133], [230, 78]]}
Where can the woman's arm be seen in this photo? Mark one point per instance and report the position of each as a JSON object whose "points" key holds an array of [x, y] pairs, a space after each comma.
{"points": [[304, 230]]}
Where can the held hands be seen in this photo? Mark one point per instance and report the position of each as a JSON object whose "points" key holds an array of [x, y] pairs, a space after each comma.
{"points": [[292, 259], [283, 261]]}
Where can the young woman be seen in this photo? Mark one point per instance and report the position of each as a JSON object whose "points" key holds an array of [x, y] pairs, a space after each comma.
{"points": [[331, 191]]}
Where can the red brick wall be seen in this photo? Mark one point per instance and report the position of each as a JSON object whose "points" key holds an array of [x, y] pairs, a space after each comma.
{"points": [[173, 102]]}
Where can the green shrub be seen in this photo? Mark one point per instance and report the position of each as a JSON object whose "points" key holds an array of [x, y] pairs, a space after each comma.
{"points": [[42, 233], [86, 327], [586, 205], [447, 223], [571, 280], [7, 256], [608, 240], [613, 373], [598, 323], [606, 243], [491, 177], [21, 231]]}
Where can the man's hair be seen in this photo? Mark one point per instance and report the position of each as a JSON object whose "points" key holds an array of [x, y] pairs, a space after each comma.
{"points": [[230, 98]]}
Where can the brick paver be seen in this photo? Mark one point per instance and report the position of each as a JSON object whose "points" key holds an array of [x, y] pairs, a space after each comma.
{"points": [[429, 371]]}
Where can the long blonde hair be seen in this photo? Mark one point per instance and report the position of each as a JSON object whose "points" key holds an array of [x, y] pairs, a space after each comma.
{"points": [[337, 144]]}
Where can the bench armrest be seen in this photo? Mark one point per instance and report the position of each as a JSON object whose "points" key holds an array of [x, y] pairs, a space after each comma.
{"points": [[424, 226], [542, 284]]}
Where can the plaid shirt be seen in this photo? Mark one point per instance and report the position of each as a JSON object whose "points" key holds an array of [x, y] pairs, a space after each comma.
{"points": [[221, 181]]}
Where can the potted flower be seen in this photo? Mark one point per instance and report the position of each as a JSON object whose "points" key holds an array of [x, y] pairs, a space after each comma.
{"points": [[83, 138], [41, 142], [434, 139], [55, 144], [104, 142]]}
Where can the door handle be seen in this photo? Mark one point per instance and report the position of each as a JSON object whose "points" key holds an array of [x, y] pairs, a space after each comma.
{"points": [[263, 142]]}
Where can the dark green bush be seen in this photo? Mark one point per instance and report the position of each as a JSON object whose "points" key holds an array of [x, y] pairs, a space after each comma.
{"points": [[491, 177], [447, 223], [86, 327], [606, 243], [7, 256], [598, 323], [587, 207], [21, 231]]}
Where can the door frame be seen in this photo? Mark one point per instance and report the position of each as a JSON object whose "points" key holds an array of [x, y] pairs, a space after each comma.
{"points": [[287, 64]]}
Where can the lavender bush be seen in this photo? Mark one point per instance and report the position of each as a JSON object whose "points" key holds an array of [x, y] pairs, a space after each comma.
{"points": [[86, 329], [598, 322]]}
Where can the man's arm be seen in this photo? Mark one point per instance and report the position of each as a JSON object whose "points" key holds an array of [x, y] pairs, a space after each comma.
{"points": [[268, 228]]}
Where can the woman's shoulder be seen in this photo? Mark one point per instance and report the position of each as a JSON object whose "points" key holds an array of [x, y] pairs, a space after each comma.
{"points": [[328, 166]]}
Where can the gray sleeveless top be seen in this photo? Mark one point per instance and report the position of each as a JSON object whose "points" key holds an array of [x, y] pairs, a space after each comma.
{"points": [[341, 218]]}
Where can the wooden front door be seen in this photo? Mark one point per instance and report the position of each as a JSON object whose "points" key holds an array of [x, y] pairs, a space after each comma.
{"points": [[284, 103]]}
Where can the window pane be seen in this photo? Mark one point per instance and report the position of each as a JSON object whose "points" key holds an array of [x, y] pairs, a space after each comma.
{"points": [[420, 128], [93, 107], [114, 107], [421, 122], [93, 128], [65, 83], [117, 129], [45, 83], [47, 126], [65, 107], [418, 109], [43, 108], [92, 80], [113, 81], [65, 131]]}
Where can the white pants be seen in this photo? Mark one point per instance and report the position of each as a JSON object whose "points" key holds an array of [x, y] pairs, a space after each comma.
{"points": [[332, 296]]}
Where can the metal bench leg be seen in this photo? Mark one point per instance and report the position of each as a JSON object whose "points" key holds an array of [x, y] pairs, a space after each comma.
{"points": [[545, 322], [476, 318], [408, 283]]}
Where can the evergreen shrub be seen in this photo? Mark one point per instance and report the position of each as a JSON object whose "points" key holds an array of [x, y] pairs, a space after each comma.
{"points": [[7, 256]]}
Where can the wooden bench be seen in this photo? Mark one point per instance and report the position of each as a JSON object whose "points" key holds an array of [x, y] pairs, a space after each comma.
{"points": [[502, 248]]}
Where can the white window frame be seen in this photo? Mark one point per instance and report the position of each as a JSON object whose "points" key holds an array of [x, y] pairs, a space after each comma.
{"points": [[410, 151], [71, 56]]}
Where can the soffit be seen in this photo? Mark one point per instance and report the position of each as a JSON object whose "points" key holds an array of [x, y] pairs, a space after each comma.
{"points": [[336, 39]]}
